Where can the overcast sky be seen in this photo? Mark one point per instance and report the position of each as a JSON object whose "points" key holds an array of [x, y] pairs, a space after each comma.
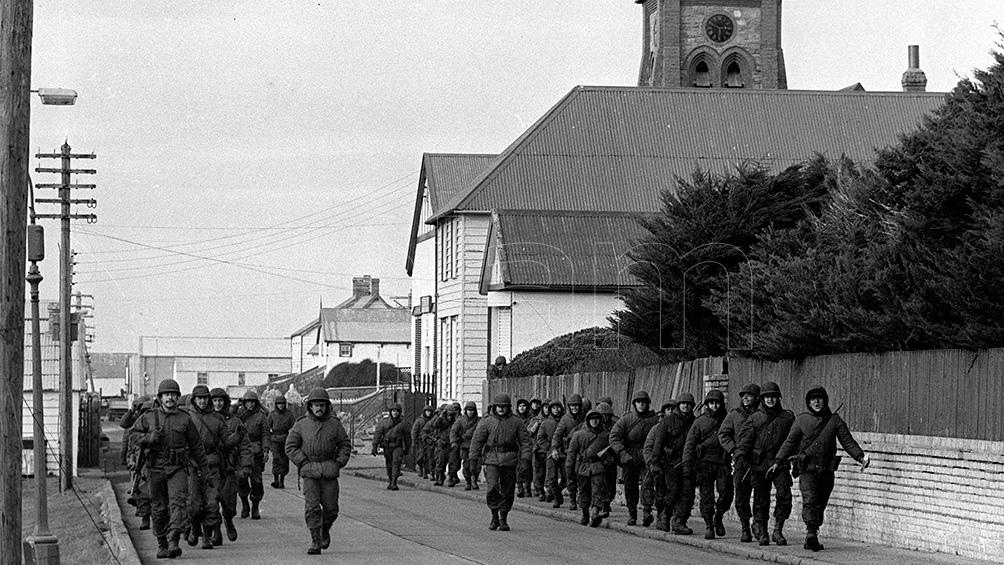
{"points": [[254, 156]]}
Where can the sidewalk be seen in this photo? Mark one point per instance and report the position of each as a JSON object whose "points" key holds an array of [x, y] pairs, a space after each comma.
{"points": [[837, 550]]}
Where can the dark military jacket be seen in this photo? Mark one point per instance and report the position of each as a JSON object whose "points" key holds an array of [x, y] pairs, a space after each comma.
{"points": [[670, 437], [542, 441], [213, 431], [179, 440], [567, 426], [417, 437], [702, 446], [761, 437], [584, 452], [728, 433], [819, 455], [463, 431], [392, 433], [236, 446], [628, 435], [501, 441], [279, 424], [318, 446], [256, 423]]}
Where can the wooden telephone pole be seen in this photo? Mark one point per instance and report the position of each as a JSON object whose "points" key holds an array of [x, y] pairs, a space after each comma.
{"points": [[15, 90]]}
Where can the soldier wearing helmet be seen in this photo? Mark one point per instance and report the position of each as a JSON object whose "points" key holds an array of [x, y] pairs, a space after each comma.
{"points": [[538, 467], [524, 475], [172, 441], [589, 452], [728, 435], [570, 423], [392, 435], [279, 422], [133, 459], [318, 445], [439, 431], [670, 436], [554, 470], [237, 461], [423, 455], [501, 443], [627, 439], [203, 488], [709, 465], [256, 423], [658, 480], [460, 440]]}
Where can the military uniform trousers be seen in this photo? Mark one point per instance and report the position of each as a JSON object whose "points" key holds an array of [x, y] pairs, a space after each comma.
{"points": [[228, 494], [454, 465], [525, 475], [252, 486], [280, 463], [593, 491], [203, 496], [429, 459], [501, 484], [320, 502], [679, 500], [168, 501], [442, 459], [712, 477], [539, 470], [743, 486], [555, 476], [781, 481], [392, 457], [139, 496], [638, 484], [816, 487], [471, 467]]}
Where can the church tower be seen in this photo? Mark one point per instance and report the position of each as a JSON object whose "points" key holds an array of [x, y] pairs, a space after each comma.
{"points": [[712, 44]]}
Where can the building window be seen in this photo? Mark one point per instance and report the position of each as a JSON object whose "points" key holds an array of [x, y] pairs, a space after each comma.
{"points": [[345, 350], [202, 378], [451, 346], [240, 379], [272, 376], [734, 75], [447, 250], [702, 75]]}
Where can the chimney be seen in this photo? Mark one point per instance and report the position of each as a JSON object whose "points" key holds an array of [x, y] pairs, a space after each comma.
{"points": [[365, 286], [914, 79]]}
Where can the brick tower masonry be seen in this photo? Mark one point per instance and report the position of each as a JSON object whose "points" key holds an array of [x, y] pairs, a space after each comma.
{"points": [[712, 44]]}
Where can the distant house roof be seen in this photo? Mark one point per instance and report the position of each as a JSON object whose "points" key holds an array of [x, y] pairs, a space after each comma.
{"points": [[445, 175], [534, 250], [110, 365], [310, 327], [238, 347], [617, 148], [366, 326], [365, 301]]}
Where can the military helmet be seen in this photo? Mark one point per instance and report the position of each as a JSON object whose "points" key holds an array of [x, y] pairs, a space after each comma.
{"points": [[535, 399], [641, 396], [280, 399], [168, 385], [523, 401], [555, 402], [138, 403], [575, 399], [250, 395], [200, 390], [471, 406], [686, 397], [587, 405], [502, 399], [606, 399], [396, 406], [771, 389], [817, 392], [218, 393], [604, 409], [318, 394], [429, 408], [714, 395], [751, 388], [594, 414]]}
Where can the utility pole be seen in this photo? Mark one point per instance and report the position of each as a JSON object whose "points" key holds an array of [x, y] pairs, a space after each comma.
{"points": [[65, 288], [15, 90]]}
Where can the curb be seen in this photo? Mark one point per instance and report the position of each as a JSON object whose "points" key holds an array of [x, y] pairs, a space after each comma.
{"points": [[117, 535], [754, 552]]}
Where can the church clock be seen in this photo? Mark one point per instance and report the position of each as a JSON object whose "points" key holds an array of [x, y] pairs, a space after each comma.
{"points": [[719, 28]]}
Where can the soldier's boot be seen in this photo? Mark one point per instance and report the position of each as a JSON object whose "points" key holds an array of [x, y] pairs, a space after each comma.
{"points": [[661, 523], [282, 481], [454, 481], [494, 524], [315, 542], [746, 536], [255, 515], [595, 517], [217, 537], [245, 509], [585, 517], [632, 516], [468, 485], [680, 527], [812, 539], [173, 549], [755, 526], [393, 484], [778, 536], [572, 505], [605, 512], [325, 535], [231, 529], [558, 500], [207, 537], [543, 496], [144, 523], [275, 481], [719, 526], [646, 517], [504, 521], [709, 528], [520, 493], [474, 485], [763, 534], [192, 533], [162, 547]]}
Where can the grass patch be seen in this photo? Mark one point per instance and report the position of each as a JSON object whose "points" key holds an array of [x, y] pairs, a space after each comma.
{"points": [[80, 541]]}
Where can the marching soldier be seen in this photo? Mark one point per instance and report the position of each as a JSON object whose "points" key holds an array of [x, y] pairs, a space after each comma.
{"points": [[658, 480], [627, 438], [460, 438], [728, 434], [256, 423], [538, 463], [422, 456], [171, 440], [319, 447], [279, 421], [237, 460], [392, 435], [134, 459], [667, 460], [589, 452], [554, 470], [453, 457], [524, 475], [440, 429], [704, 459], [609, 419], [759, 439], [203, 488], [814, 435], [500, 443], [568, 425]]}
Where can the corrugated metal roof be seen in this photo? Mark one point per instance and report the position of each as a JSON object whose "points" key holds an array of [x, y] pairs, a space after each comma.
{"points": [[616, 148], [565, 249], [366, 326], [449, 173]]}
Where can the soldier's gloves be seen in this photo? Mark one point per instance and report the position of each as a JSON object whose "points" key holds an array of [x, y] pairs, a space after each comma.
{"points": [[772, 470], [865, 462], [154, 437], [554, 454], [625, 457], [374, 450], [656, 469]]}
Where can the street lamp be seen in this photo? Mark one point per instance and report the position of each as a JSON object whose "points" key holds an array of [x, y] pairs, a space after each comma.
{"points": [[57, 96]]}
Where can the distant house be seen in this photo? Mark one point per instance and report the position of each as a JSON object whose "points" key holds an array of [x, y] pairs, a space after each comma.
{"points": [[111, 373]]}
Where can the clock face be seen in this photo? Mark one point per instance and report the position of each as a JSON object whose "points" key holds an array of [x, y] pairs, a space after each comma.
{"points": [[719, 28]]}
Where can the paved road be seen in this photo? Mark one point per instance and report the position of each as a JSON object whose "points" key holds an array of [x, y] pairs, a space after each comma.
{"points": [[417, 527]]}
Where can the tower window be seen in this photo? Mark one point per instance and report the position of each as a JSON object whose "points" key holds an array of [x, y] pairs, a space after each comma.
{"points": [[702, 75], [734, 76]]}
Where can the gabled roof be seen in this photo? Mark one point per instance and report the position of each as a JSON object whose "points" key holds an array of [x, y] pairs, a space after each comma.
{"points": [[365, 301], [616, 148], [446, 175], [355, 325], [536, 250]]}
